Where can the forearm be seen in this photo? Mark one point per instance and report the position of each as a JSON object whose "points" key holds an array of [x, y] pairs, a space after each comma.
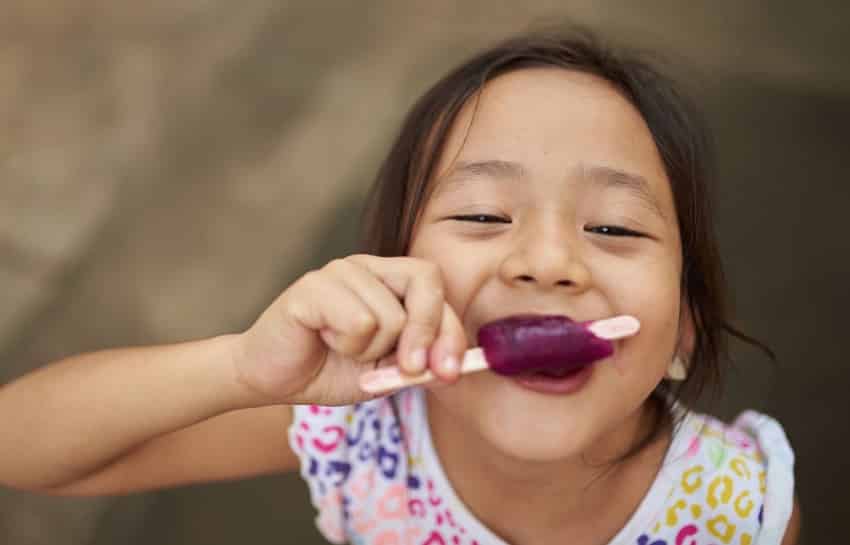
{"points": [[70, 418]]}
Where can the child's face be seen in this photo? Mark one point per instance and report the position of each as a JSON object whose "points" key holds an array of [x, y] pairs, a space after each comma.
{"points": [[554, 155]]}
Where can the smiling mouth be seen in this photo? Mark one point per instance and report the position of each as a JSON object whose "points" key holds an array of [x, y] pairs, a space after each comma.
{"points": [[553, 345], [556, 380]]}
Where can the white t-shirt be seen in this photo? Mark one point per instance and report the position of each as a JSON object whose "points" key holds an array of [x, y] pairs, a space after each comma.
{"points": [[718, 484]]}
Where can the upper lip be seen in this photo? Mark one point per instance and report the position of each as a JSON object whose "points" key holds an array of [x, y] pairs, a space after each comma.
{"points": [[545, 312], [551, 312]]}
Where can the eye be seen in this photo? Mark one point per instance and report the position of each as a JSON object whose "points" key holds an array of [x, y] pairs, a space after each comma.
{"points": [[481, 218], [613, 231]]}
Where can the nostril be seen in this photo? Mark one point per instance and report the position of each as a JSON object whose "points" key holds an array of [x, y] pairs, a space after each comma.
{"points": [[525, 278], [564, 283]]}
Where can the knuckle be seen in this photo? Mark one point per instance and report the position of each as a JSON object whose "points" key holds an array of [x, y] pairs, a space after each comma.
{"points": [[356, 258], [437, 294], [294, 307], [350, 349], [435, 300], [366, 353], [397, 322], [310, 282], [427, 323], [363, 323], [417, 263], [433, 276], [432, 269], [364, 357], [336, 264], [311, 277]]}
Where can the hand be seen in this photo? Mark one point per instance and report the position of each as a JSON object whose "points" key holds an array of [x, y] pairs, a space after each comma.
{"points": [[311, 345]]}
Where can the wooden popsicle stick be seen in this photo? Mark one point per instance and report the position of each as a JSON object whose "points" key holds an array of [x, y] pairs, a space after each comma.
{"points": [[615, 328], [387, 379]]}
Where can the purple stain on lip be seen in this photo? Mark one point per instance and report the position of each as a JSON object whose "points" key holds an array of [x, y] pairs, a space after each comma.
{"points": [[527, 343]]}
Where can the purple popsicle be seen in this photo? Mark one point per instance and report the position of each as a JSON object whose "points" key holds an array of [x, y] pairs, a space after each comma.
{"points": [[551, 344], [528, 343]]}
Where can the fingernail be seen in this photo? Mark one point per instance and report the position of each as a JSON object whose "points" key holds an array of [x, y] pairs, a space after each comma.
{"points": [[417, 359], [451, 365]]}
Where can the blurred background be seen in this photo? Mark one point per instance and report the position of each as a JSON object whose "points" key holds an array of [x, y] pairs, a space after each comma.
{"points": [[168, 167]]}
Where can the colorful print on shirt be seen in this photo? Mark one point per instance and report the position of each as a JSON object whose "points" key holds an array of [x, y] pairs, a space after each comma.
{"points": [[376, 480]]}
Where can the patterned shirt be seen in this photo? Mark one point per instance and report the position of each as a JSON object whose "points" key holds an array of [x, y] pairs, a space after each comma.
{"points": [[378, 481]]}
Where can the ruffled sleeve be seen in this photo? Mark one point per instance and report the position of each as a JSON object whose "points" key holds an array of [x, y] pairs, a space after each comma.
{"points": [[779, 473]]}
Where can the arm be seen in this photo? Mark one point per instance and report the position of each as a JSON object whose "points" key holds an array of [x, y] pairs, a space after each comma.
{"points": [[238, 444], [792, 532], [121, 420], [108, 421]]}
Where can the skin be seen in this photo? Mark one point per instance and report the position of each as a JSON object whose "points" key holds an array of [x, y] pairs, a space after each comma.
{"points": [[544, 252]]}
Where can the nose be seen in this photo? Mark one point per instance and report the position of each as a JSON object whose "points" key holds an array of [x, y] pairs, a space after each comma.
{"points": [[546, 255]]}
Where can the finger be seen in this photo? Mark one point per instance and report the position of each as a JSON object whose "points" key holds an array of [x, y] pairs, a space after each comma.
{"points": [[344, 322], [447, 351], [424, 302], [383, 303], [420, 284]]}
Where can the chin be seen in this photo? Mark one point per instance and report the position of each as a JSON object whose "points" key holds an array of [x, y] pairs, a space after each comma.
{"points": [[522, 436], [527, 426], [537, 445]]}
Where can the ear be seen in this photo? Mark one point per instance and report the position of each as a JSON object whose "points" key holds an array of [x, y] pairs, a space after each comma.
{"points": [[687, 331]]}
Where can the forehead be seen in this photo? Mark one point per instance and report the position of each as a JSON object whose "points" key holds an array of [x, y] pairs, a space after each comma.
{"points": [[554, 122]]}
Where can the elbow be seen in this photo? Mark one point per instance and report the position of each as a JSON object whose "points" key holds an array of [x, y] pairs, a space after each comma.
{"points": [[75, 488], [41, 489]]}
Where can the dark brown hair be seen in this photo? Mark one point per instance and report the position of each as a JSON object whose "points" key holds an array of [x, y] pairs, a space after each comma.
{"points": [[403, 182]]}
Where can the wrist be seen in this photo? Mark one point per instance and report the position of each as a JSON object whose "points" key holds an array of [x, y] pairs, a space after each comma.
{"points": [[238, 390], [251, 387]]}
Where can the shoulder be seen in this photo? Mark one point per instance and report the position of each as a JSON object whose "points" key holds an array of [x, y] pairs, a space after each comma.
{"points": [[779, 459], [744, 473], [755, 439]]}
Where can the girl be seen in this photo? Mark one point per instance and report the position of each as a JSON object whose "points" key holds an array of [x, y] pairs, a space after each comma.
{"points": [[548, 175]]}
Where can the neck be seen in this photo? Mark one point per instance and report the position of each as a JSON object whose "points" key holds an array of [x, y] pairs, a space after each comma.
{"points": [[575, 496]]}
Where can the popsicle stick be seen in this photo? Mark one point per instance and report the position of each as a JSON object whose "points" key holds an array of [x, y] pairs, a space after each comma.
{"points": [[615, 328], [387, 379]]}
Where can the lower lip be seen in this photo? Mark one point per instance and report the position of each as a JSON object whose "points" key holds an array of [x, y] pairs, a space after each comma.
{"points": [[555, 386]]}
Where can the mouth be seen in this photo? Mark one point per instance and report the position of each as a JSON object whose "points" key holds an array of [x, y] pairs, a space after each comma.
{"points": [[558, 372], [553, 344], [557, 380]]}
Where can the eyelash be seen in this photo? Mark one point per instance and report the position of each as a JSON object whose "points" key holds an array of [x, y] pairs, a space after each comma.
{"points": [[481, 218], [613, 231], [608, 230]]}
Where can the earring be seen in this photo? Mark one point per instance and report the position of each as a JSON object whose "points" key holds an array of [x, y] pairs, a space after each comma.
{"points": [[677, 370]]}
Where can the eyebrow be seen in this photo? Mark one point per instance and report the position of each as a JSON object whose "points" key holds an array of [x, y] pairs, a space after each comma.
{"points": [[465, 171], [636, 184], [608, 177], [491, 168]]}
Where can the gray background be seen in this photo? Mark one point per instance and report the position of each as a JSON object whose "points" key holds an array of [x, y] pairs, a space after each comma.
{"points": [[168, 167]]}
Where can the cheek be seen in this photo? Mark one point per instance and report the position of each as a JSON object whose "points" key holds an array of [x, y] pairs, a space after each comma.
{"points": [[647, 285], [463, 271], [650, 291]]}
